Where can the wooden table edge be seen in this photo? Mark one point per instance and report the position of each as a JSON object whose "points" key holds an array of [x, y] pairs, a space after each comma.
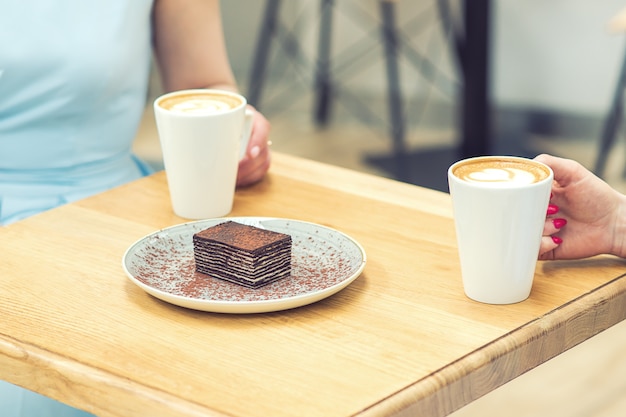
{"points": [[448, 389], [121, 398]]}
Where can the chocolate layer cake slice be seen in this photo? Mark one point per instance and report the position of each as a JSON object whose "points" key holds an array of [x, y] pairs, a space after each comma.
{"points": [[242, 254]]}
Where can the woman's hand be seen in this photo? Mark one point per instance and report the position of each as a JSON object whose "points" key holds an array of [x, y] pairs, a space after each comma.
{"points": [[191, 53], [586, 217], [256, 162]]}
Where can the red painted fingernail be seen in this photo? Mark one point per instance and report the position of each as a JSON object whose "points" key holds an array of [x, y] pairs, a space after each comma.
{"points": [[553, 209], [557, 240], [558, 223]]}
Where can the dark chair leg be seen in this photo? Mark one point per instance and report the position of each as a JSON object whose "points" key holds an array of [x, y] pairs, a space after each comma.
{"points": [[451, 30], [323, 83], [612, 121], [475, 123], [396, 112], [267, 31]]}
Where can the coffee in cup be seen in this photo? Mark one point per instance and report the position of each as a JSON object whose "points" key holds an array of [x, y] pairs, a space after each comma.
{"points": [[200, 103], [499, 205], [501, 172]]}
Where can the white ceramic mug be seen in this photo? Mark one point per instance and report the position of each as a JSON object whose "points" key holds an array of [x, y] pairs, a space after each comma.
{"points": [[500, 205], [204, 134]]}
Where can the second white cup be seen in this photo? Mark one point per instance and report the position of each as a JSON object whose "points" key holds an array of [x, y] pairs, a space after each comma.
{"points": [[203, 134], [500, 205]]}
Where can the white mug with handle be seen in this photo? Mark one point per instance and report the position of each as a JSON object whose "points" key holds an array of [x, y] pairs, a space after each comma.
{"points": [[204, 134]]}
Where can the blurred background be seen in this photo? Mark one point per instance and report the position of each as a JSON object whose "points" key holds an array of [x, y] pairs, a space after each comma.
{"points": [[553, 70]]}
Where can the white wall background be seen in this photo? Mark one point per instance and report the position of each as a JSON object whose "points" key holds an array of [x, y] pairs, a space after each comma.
{"points": [[556, 55]]}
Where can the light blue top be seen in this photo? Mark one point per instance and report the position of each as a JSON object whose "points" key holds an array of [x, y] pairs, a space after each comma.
{"points": [[73, 85]]}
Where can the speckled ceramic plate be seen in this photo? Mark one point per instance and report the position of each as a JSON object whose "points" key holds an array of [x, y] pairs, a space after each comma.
{"points": [[324, 261]]}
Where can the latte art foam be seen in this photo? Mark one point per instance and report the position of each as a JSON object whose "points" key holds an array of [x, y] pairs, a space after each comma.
{"points": [[514, 175], [200, 104], [500, 171]]}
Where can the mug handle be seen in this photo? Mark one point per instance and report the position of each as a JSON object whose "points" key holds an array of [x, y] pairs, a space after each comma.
{"points": [[246, 133]]}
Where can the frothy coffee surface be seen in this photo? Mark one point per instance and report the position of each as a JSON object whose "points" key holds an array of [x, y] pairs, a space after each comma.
{"points": [[200, 103], [500, 171]]}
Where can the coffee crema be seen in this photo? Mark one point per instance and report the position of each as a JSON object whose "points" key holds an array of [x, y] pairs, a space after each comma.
{"points": [[200, 103], [498, 171]]}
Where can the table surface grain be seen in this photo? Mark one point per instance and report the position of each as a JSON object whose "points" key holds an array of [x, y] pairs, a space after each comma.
{"points": [[402, 339]]}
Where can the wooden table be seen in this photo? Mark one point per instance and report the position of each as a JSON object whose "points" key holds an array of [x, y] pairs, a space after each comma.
{"points": [[402, 339]]}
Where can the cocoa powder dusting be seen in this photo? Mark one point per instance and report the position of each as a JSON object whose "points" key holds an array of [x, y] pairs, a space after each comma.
{"points": [[166, 263]]}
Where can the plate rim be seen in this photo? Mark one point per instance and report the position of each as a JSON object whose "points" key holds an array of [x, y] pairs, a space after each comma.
{"points": [[246, 306]]}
